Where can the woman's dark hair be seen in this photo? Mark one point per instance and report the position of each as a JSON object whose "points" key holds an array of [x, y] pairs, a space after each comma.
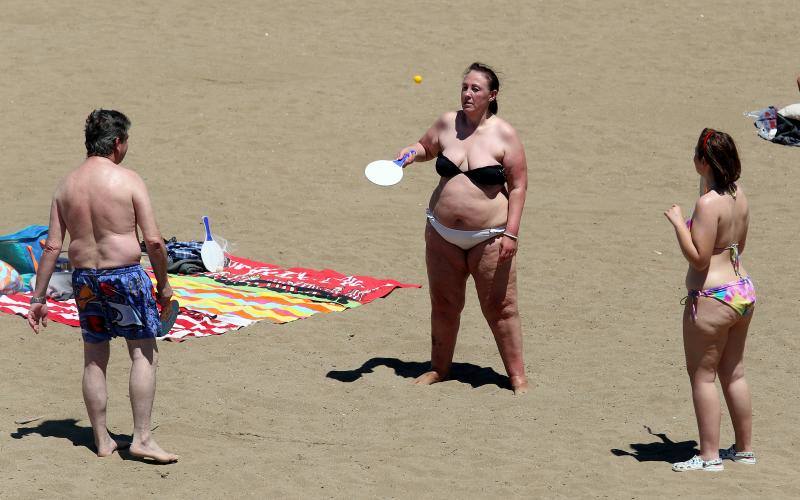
{"points": [[103, 126], [494, 82], [719, 151]]}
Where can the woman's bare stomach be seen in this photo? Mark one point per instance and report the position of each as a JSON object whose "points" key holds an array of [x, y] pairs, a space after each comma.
{"points": [[720, 272], [111, 251], [459, 204]]}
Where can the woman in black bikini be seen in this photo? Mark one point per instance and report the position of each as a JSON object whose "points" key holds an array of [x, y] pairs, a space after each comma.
{"points": [[473, 222]]}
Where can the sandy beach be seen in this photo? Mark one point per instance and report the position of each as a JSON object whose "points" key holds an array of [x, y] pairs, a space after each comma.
{"points": [[263, 116]]}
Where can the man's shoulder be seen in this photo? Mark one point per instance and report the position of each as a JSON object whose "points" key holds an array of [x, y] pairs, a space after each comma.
{"points": [[101, 174], [133, 174], [72, 177], [124, 174]]}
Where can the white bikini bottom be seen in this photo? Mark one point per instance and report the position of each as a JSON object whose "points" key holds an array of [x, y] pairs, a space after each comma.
{"points": [[463, 239]]}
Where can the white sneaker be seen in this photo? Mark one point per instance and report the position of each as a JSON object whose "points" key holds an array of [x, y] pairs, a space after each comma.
{"points": [[697, 463], [743, 457]]}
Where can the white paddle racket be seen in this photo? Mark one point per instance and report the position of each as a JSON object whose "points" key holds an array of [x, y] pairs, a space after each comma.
{"points": [[386, 172], [211, 253]]}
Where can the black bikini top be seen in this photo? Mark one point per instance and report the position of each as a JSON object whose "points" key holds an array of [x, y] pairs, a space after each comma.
{"points": [[489, 175]]}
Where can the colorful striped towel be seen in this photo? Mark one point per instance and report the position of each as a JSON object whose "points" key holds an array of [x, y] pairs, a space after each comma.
{"points": [[245, 292], [189, 323]]}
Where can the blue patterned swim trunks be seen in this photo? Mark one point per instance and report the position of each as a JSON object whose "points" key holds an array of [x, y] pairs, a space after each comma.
{"points": [[116, 302]]}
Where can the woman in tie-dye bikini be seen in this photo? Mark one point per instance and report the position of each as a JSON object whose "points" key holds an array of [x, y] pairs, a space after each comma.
{"points": [[720, 301]]}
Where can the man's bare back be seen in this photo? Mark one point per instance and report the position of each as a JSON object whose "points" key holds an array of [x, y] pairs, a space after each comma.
{"points": [[97, 204]]}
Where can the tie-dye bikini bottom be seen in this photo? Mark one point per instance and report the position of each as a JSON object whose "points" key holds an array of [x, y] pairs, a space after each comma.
{"points": [[739, 295]]}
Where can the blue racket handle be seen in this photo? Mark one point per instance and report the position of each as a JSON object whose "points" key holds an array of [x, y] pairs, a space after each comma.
{"points": [[402, 160], [208, 228]]}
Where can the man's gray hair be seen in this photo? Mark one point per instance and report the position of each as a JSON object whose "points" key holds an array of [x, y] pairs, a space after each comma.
{"points": [[103, 126]]}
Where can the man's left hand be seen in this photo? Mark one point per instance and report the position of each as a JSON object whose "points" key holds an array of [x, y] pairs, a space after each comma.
{"points": [[36, 314]]}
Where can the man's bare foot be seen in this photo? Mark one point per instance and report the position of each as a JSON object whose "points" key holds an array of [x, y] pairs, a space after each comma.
{"points": [[109, 446], [519, 383], [428, 378], [152, 451]]}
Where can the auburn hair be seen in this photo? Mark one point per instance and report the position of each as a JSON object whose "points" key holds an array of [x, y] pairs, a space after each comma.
{"points": [[719, 151]]}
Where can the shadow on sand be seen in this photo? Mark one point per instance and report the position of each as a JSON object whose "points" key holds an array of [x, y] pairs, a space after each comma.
{"points": [[665, 450], [69, 429], [466, 373]]}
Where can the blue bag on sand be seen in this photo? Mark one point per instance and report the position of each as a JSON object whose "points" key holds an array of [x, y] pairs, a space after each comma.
{"points": [[23, 249]]}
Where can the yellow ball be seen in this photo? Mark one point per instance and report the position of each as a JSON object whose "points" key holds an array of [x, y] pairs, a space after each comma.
{"points": [[417, 79]]}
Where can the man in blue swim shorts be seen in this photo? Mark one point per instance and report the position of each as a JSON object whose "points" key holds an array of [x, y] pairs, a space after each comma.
{"points": [[100, 204]]}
